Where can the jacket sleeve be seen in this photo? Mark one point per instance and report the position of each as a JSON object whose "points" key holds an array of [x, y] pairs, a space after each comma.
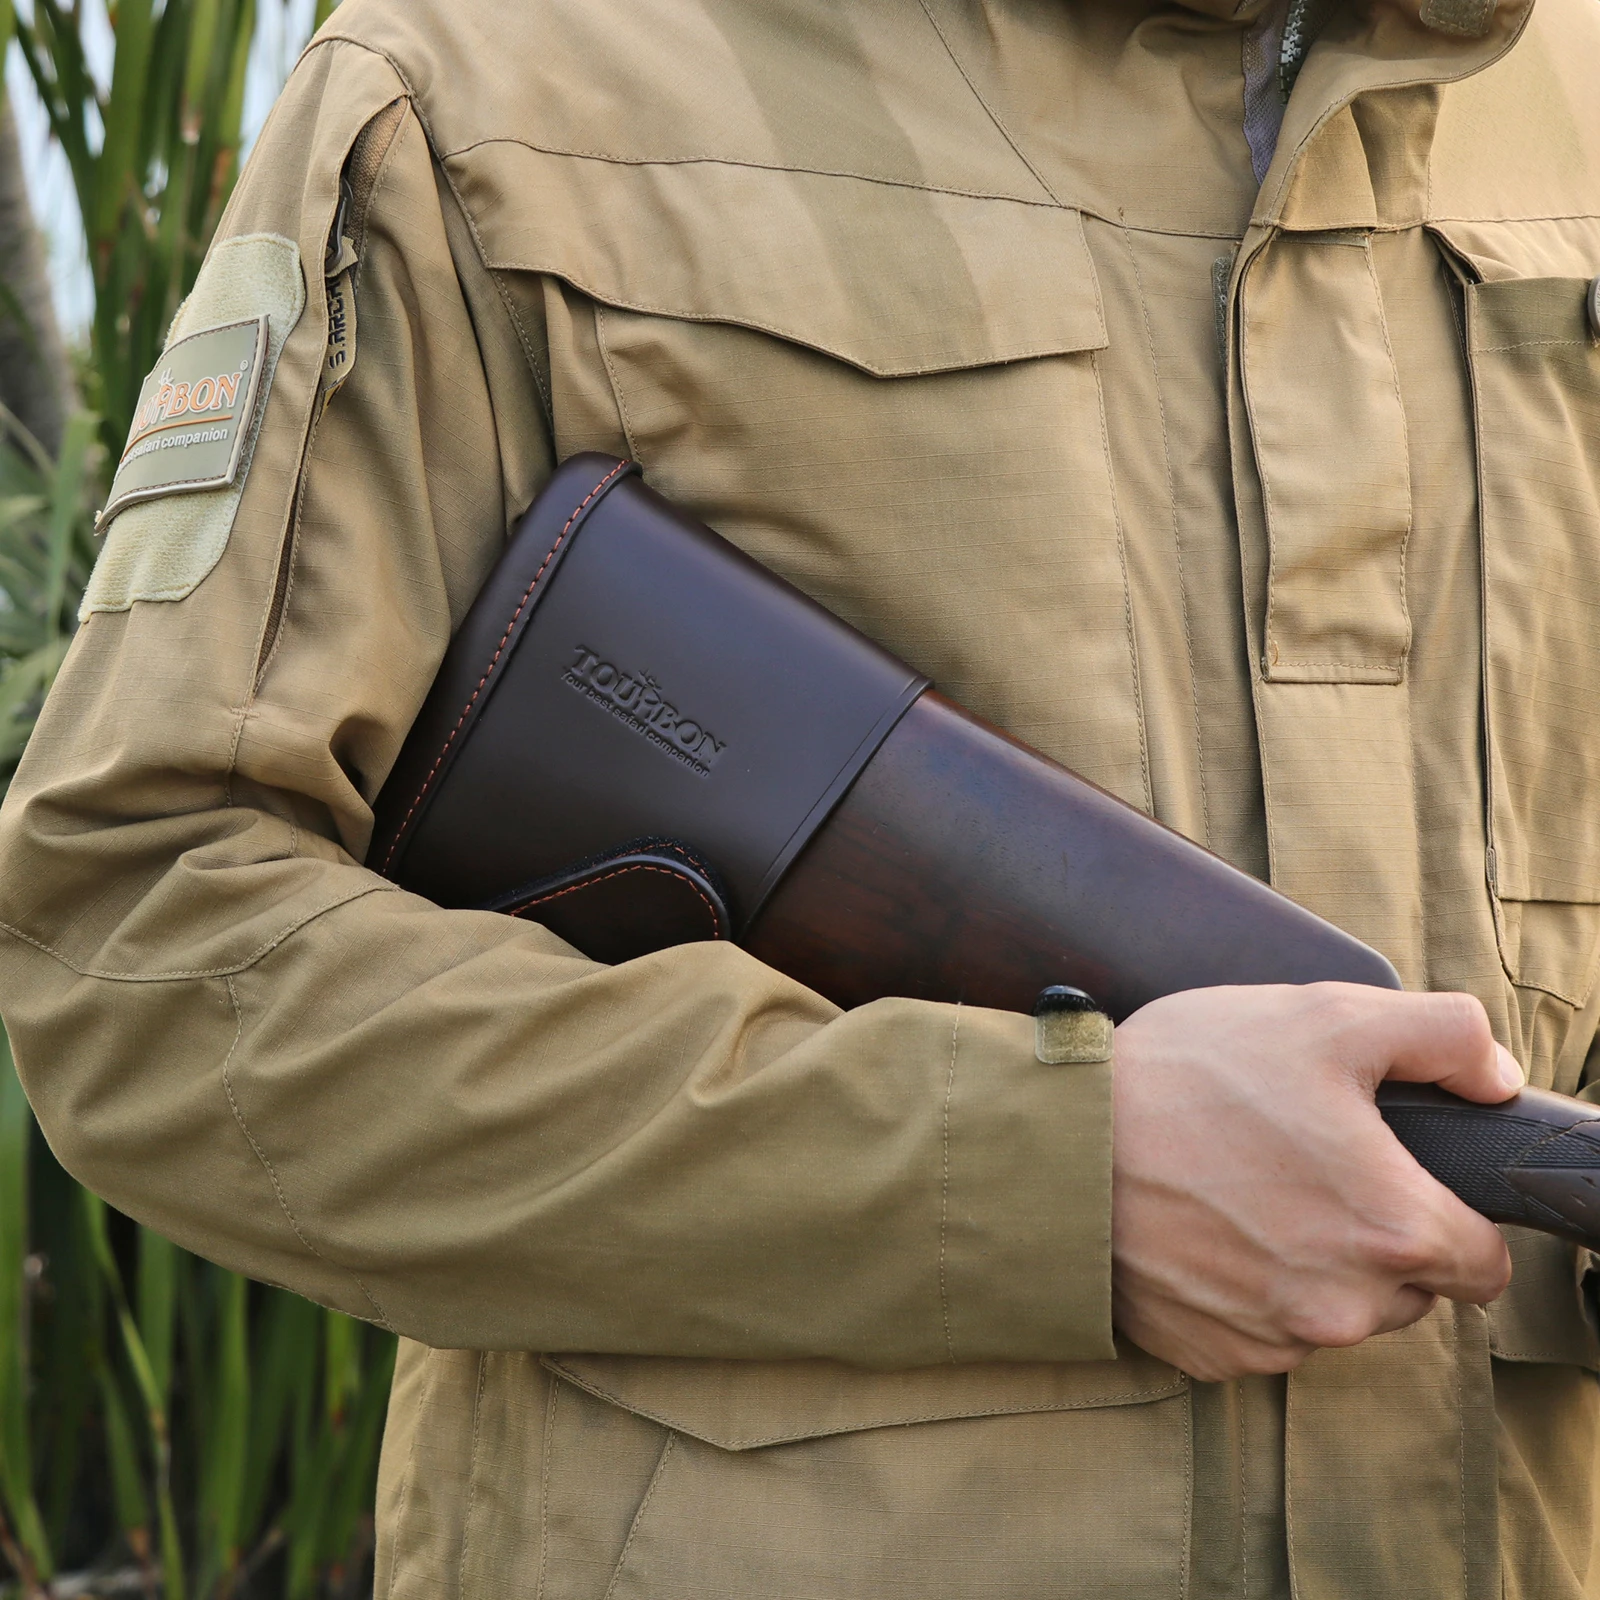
{"points": [[449, 1122]]}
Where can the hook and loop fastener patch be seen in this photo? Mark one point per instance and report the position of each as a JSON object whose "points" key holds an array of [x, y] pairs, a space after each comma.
{"points": [[194, 410], [183, 471]]}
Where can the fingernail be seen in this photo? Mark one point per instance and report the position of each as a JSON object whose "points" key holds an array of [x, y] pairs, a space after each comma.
{"points": [[1511, 1075]]}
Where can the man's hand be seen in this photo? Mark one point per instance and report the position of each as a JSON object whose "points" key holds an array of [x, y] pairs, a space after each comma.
{"points": [[1260, 1206]]}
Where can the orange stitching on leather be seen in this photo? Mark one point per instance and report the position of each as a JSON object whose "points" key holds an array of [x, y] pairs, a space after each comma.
{"points": [[617, 872], [466, 710]]}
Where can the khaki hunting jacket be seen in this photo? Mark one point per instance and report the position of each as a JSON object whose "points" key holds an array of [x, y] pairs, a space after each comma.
{"points": [[1260, 484]]}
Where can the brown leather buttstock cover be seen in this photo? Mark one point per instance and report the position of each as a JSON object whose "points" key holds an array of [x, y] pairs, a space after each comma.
{"points": [[640, 737]]}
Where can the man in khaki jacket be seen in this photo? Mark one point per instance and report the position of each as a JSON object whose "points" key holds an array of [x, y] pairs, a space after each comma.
{"points": [[1245, 457]]}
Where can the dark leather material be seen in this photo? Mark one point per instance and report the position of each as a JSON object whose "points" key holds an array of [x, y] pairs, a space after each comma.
{"points": [[645, 897], [802, 792], [626, 673], [966, 866]]}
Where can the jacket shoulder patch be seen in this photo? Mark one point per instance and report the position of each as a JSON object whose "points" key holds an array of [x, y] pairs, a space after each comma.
{"points": [[182, 475]]}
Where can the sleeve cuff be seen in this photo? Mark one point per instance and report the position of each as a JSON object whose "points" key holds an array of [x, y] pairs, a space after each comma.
{"points": [[1025, 1229]]}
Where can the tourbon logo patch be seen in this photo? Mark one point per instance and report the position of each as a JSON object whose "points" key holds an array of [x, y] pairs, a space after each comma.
{"points": [[635, 699], [193, 417]]}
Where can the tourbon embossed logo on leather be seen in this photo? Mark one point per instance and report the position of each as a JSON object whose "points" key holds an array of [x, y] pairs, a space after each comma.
{"points": [[637, 701]]}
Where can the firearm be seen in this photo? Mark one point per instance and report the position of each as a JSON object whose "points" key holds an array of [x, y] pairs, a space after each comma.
{"points": [[640, 737]]}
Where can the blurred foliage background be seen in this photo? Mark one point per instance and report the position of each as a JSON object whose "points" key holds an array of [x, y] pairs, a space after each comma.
{"points": [[165, 1427]]}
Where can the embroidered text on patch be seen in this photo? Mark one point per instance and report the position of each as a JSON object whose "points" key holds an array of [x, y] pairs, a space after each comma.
{"points": [[161, 539], [193, 416]]}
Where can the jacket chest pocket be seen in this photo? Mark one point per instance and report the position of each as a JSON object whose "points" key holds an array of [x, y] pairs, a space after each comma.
{"points": [[778, 1479], [1535, 367], [889, 395]]}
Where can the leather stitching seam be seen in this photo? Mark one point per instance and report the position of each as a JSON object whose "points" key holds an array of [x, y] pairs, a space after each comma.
{"points": [[494, 661], [617, 872]]}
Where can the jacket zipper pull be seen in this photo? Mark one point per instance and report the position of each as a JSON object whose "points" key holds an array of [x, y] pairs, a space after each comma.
{"points": [[339, 269]]}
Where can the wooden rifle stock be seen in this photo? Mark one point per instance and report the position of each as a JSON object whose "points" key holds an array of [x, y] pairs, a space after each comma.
{"points": [[890, 898], [640, 737]]}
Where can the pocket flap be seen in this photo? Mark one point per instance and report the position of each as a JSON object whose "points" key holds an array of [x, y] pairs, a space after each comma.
{"points": [[1547, 1314], [742, 1405], [892, 279], [1555, 247]]}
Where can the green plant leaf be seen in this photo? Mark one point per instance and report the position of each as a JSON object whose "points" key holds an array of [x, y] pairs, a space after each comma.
{"points": [[122, 1457], [158, 1307], [243, 1417], [66, 510], [16, 1452], [116, 181], [284, 1367], [355, 1481], [94, 1214], [227, 1435]]}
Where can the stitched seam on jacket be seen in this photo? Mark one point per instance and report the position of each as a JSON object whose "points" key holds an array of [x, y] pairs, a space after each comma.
{"points": [[638, 1516], [1244, 1499], [1267, 519], [1084, 208], [1461, 1437], [494, 661], [944, 1187], [308, 417], [1573, 1000], [1405, 445], [1550, 1355], [419, 111], [472, 1476], [988, 110], [1535, 344], [617, 872], [900, 1420], [1127, 586], [520, 328], [1552, 216], [1186, 1554], [544, 1483], [430, 1378], [1371, 666], [1057, 347], [611, 374], [702, 159], [271, 1171], [242, 965], [1290, 1430], [291, 548], [1177, 535], [1291, 167]]}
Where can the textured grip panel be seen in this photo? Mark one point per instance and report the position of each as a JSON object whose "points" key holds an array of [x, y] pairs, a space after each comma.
{"points": [[1469, 1150], [1533, 1160]]}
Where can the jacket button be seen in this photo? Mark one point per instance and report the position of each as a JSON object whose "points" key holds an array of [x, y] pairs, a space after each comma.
{"points": [[1594, 308]]}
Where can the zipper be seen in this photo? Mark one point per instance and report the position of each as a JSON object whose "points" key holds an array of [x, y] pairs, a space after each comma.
{"points": [[341, 258]]}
